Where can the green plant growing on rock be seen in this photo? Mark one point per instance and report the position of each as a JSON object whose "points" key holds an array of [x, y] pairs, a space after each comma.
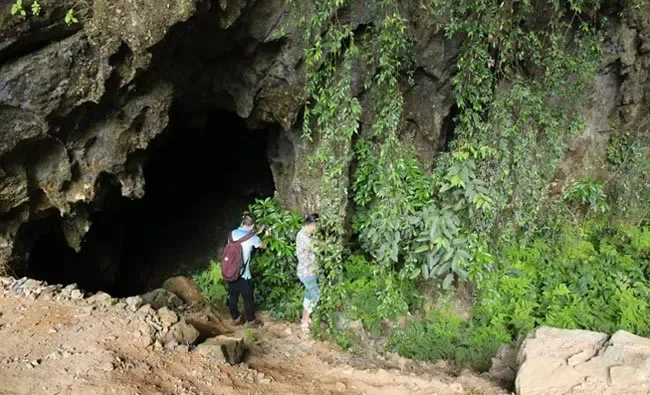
{"points": [[17, 9], [70, 18], [250, 335], [36, 8]]}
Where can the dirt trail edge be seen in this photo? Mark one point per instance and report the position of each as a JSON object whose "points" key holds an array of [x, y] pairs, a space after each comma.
{"points": [[57, 341]]}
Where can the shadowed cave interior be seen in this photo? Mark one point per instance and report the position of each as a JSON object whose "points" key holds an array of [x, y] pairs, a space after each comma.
{"points": [[201, 173]]}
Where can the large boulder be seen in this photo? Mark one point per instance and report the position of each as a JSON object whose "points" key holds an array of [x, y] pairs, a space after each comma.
{"points": [[563, 361], [185, 289]]}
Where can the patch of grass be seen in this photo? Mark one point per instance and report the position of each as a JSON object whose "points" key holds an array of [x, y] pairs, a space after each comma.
{"points": [[250, 336]]}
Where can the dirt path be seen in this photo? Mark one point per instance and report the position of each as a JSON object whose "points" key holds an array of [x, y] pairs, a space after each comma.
{"points": [[74, 345]]}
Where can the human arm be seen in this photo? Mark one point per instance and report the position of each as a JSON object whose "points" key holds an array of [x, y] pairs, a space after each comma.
{"points": [[257, 241]]}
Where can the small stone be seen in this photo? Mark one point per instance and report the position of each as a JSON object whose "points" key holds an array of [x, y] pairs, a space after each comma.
{"points": [[260, 376], [52, 330], [134, 302], [265, 381], [456, 387], [167, 317], [101, 299], [288, 331], [54, 356], [340, 387], [76, 294], [145, 309], [35, 362], [107, 367]]}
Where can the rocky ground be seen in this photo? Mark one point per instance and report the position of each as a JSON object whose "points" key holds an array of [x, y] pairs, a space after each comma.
{"points": [[57, 340]]}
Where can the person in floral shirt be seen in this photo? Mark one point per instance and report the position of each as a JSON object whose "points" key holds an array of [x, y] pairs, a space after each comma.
{"points": [[308, 268]]}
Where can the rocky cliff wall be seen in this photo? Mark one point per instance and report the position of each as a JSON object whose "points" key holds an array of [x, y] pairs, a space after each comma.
{"points": [[80, 104]]}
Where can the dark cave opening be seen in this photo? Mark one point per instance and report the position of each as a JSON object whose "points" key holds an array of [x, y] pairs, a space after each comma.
{"points": [[448, 129], [201, 174]]}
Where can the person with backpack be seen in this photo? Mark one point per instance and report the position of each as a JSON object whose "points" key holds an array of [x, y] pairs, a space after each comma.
{"points": [[236, 272], [307, 268]]}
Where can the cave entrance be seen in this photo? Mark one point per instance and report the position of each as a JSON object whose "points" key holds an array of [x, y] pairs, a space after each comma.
{"points": [[201, 174]]}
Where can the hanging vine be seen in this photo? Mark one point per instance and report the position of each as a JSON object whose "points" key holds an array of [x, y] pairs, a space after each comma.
{"points": [[514, 75]]}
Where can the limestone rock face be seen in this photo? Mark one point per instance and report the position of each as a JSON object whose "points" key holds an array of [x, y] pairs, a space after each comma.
{"points": [[562, 361], [80, 104]]}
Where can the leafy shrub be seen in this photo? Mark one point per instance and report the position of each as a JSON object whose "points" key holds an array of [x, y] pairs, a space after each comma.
{"points": [[277, 288], [590, 193], [444, 335], [590, 277], [211, 283], [369, 293]]}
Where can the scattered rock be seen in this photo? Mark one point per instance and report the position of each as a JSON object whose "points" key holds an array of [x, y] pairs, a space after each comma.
{"points": [[76, 294], [134, 302], [185, 289], [265, 381], [145, 310], [561, 361], [223, 349], [162, 298], [54, 356], [181, 333], [167, 317], [101, 299]]}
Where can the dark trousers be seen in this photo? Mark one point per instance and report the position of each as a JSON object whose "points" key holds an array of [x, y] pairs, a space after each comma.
{"points": [[245, 289]]}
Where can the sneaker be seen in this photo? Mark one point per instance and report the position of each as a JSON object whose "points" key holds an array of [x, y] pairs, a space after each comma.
{"points": [[238, 321]]}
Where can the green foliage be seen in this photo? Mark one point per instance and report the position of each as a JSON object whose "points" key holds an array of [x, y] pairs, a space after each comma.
{"points": [[519, 83], [211, 283], [444, 335], [512, 95], [592, 278], [373, 295], [250, 335], [588, 192], [274, 270], [70, 18], [36, 8], [629, 182], [17, 9]]}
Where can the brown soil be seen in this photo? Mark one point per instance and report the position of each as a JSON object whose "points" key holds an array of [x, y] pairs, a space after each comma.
{"points": [[54, 346]]}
